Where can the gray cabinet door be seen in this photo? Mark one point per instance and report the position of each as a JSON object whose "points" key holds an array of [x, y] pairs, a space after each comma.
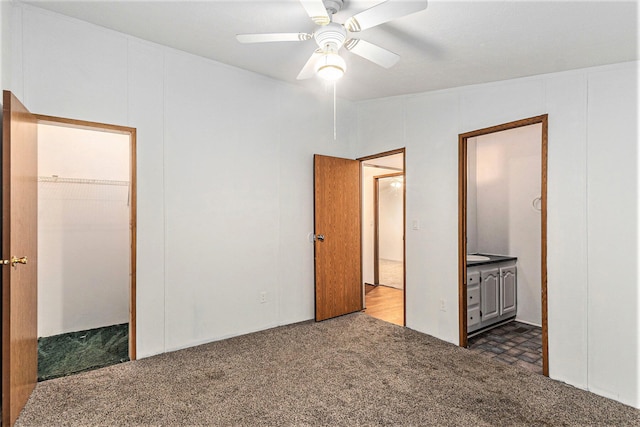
{"points": [[508, 290], [489, 293]]}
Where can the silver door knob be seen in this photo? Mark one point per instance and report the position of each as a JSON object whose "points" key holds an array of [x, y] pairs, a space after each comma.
{"points": [[320, 237]]}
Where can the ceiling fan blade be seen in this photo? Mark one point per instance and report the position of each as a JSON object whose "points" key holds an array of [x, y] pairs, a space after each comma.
{"points": [[384, 12], [372, 52], [273, 37], [316, 11], [309, 69]]}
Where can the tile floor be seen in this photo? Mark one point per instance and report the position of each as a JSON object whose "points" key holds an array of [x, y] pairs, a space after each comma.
{"points": [[514, 343]]}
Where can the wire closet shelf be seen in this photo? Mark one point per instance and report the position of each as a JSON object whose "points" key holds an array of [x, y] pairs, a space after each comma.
{"points": [[57, 179]]}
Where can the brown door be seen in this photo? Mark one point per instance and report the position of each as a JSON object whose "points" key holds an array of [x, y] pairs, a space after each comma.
{"points": [[19, 251], [337, 229]]}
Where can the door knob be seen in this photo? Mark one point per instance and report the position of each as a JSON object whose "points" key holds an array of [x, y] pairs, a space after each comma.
{"points": [[320, 237], [15, 260]]}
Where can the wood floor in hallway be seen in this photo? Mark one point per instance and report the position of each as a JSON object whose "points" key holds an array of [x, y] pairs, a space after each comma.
{"points": [[385, 303]]}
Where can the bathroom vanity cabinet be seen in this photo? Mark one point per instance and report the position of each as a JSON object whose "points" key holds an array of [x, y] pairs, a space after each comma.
{"points": [[491, 292]]}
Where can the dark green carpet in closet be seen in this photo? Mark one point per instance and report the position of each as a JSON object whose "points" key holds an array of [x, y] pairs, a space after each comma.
{"points": [[73, 352]]}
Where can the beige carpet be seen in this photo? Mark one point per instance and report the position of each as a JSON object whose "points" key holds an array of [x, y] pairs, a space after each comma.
{"points": [[351, 371], [391, 273]]}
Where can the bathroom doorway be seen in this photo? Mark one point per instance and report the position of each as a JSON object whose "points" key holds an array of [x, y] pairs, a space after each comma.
{"points": [[86, 246], [502, 221], [383, 225]]}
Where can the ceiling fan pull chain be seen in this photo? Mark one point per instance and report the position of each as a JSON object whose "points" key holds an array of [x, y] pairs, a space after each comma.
{"points": [[334, 110]]}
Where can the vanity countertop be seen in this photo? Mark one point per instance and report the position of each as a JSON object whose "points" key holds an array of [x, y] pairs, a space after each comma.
{"points": [[492, 259]]}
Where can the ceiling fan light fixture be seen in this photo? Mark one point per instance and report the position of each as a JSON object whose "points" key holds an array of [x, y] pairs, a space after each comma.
{"points": [[332, 36], [330, 66]]}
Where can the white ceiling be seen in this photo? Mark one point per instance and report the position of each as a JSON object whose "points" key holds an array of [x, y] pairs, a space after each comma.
{"points": [[451, 43]]}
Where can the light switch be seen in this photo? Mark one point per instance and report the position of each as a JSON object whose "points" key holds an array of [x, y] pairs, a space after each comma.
{"points": [[415, 224]]}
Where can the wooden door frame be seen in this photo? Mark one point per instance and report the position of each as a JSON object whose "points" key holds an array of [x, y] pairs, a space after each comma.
{"points": [[404, 220], [376, 224], [462, 226], [123, 130]]}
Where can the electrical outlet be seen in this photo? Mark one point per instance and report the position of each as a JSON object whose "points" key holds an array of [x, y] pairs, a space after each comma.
{"points": [[263, 297], [443, 305]]}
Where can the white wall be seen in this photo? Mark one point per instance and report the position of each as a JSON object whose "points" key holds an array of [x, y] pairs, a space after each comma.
{"points": [[508, 172], [472, 197], [368, 219], [592, 210], [5, 44], [83, 230], [612, 232], [225, 172], [390, 221]]}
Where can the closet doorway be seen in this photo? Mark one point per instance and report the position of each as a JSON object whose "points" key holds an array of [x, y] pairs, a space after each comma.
{"points": [[383, 225], [86, 246]]}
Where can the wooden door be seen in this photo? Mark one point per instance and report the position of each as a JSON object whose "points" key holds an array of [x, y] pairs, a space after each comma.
{"points": [[19, 240], [337, 227]]}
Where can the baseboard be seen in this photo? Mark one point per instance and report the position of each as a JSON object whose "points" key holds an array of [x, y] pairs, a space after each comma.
{"points": [[528, 323]]}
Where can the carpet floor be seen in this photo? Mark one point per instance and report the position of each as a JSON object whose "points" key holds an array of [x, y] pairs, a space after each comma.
{"points": [[350, 371]]}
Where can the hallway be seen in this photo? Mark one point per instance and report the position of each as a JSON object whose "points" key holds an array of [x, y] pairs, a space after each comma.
{"points": [[385, 303]]}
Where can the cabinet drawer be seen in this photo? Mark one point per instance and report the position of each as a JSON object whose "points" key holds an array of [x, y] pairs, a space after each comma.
{"points": [[473, 278], [473, 295], [473, 316]]}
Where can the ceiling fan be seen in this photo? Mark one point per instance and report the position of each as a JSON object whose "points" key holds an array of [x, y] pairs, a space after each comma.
{"points": [[331, 36]]}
